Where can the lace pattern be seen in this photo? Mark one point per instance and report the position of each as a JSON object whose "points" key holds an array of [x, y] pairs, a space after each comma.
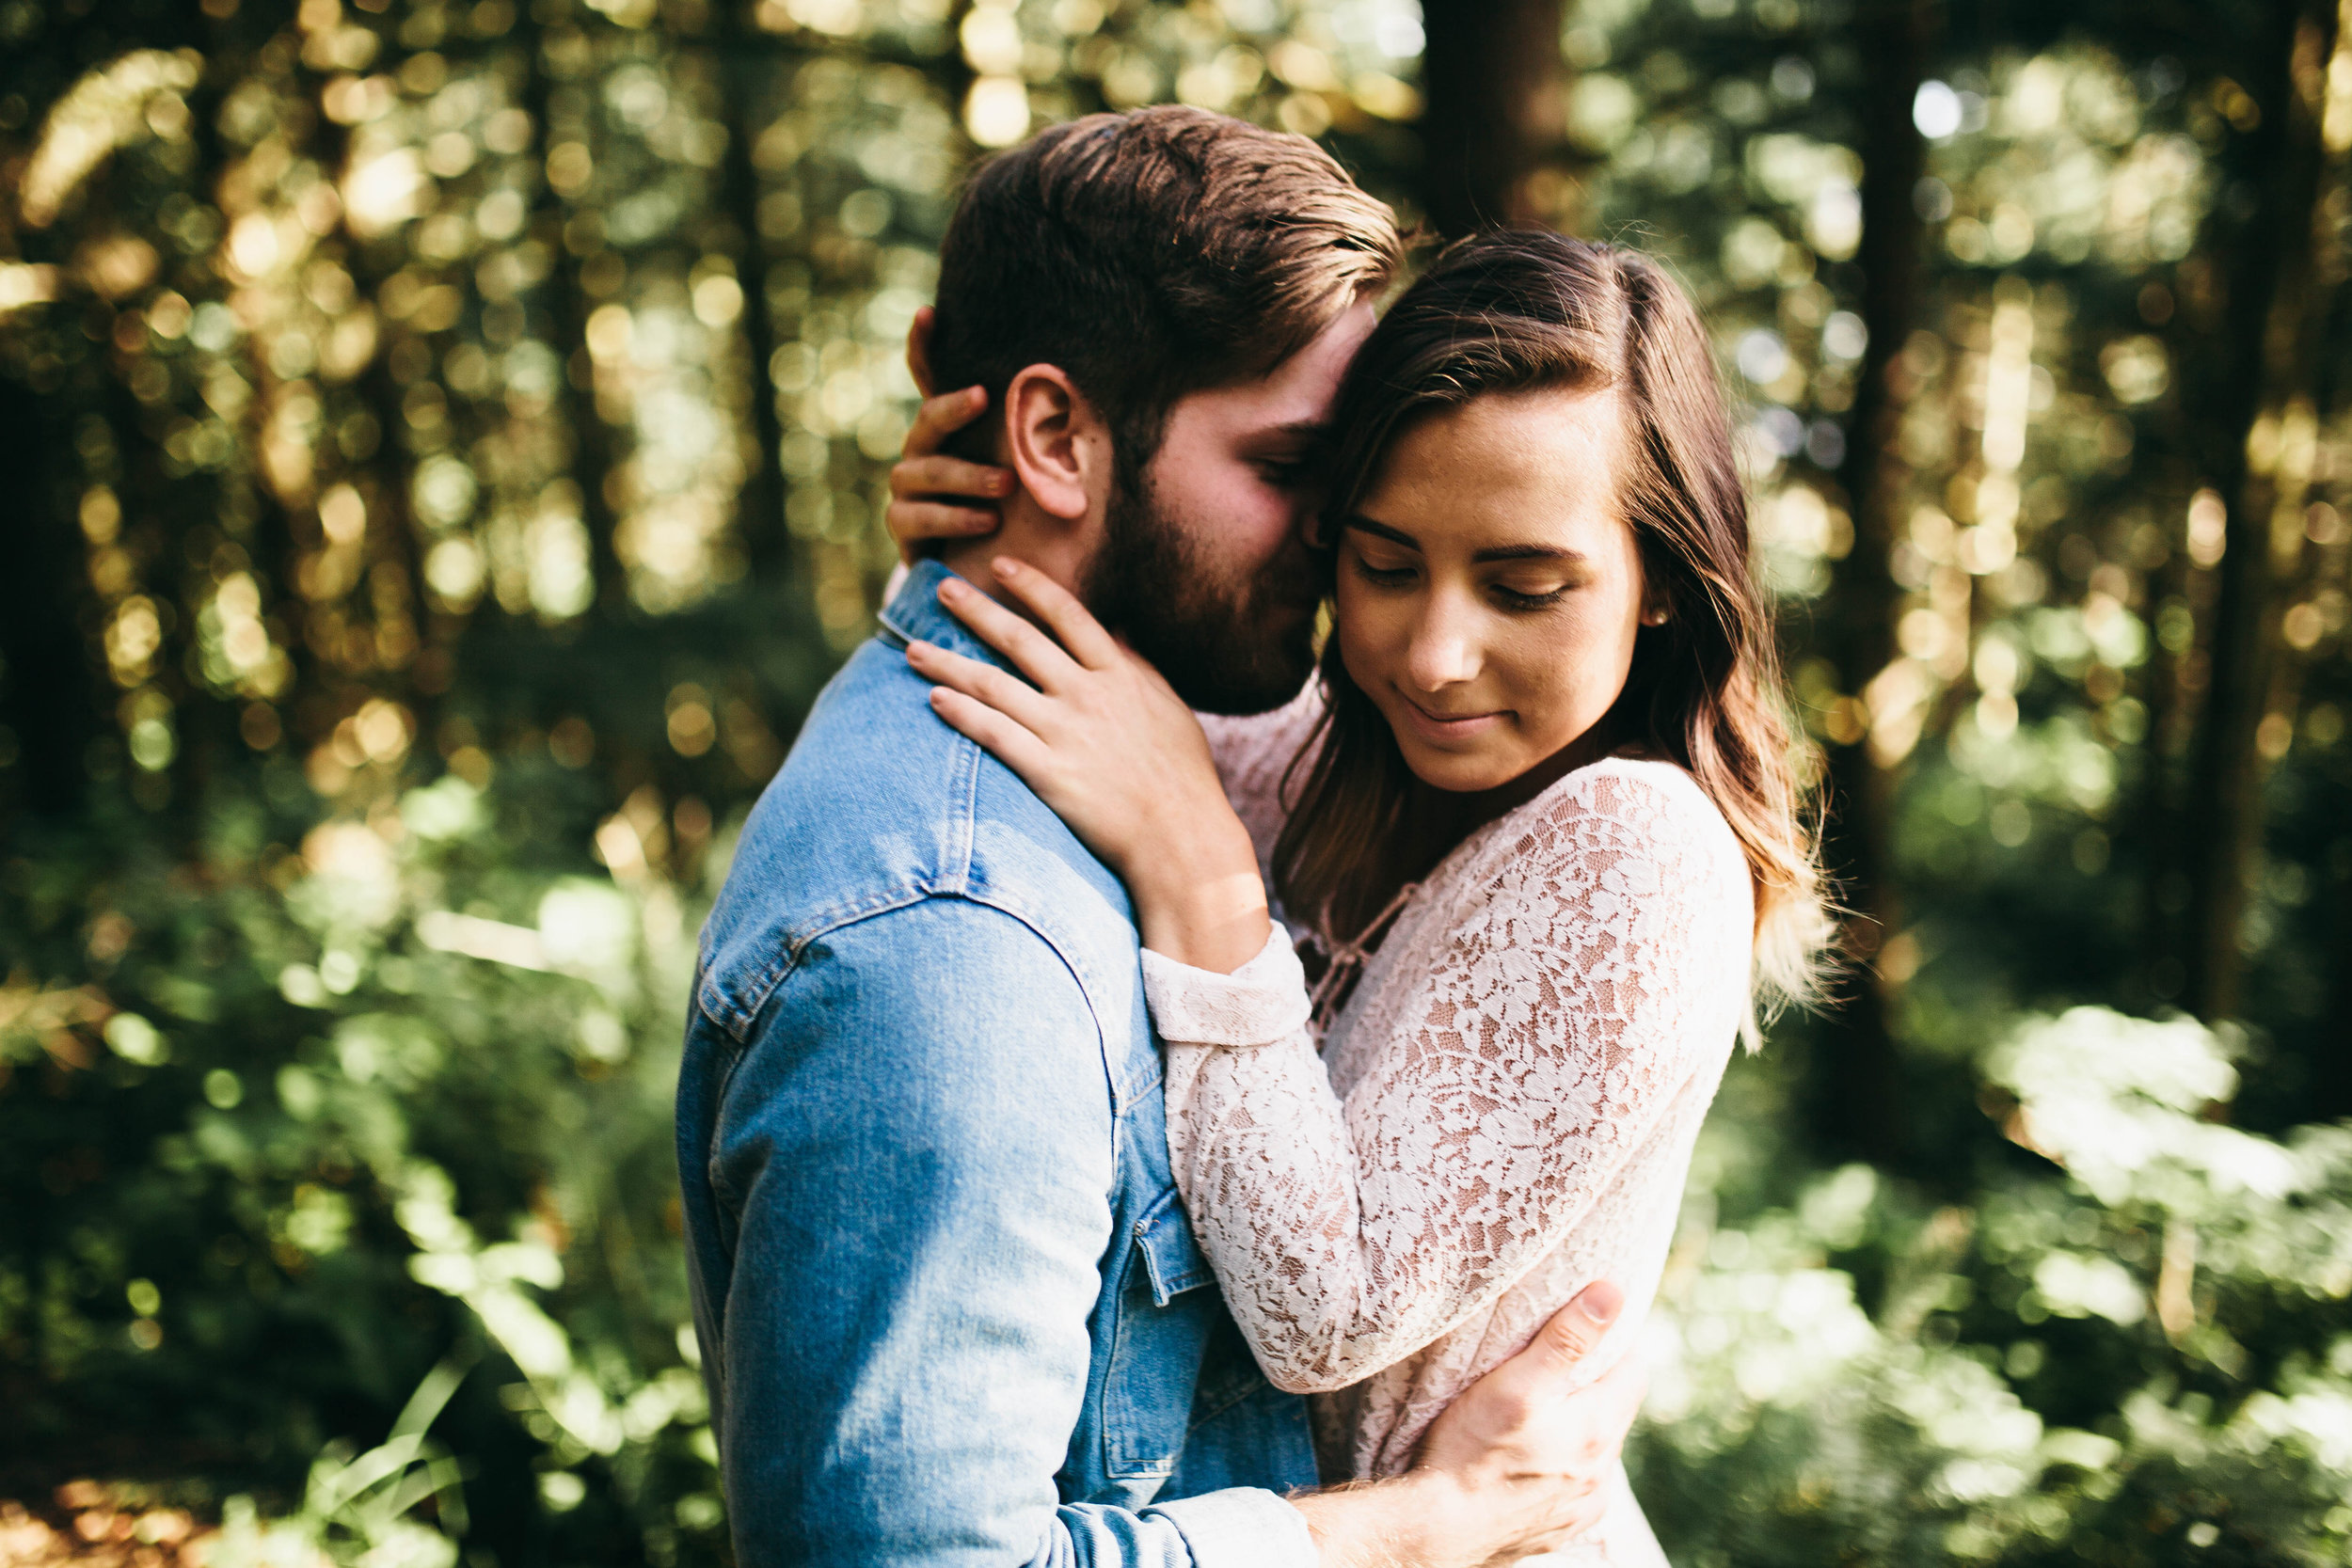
{"points": [[1501, 1113]]}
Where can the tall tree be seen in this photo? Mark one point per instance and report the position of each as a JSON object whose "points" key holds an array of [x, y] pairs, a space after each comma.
{"points": [[1856, 1100], [1493, 76], [48, 692], [2259, 415], [746, 66]]}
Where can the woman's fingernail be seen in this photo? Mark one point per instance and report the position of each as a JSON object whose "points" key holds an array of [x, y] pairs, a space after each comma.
{"points": [[950, 587], [1000, 483], [1005, 565]]}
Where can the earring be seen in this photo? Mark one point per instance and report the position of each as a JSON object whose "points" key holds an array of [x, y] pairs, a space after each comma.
{"points": [[1655, 616]]}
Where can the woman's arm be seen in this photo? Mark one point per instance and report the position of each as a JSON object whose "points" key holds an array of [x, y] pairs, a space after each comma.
{"points": [[1566, 1011]]}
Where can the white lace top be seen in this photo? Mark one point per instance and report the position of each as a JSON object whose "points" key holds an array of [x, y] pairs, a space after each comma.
{"points": [[1502, 1112]]}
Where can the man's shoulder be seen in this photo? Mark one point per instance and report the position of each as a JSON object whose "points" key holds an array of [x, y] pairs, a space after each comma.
{"points": [[882, 807]]}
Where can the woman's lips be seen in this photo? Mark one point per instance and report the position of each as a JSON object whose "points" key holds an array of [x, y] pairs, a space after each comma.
{"points": [[1440, 729]]}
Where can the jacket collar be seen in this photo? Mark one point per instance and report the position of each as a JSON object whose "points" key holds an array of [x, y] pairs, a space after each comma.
{"points": [[915, 614]]}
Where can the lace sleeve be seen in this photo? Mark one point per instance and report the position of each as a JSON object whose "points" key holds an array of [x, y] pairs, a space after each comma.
{"points": [[1557, 1015]]}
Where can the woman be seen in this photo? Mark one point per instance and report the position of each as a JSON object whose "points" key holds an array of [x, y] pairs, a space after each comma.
{"points": [[1536, 817]]}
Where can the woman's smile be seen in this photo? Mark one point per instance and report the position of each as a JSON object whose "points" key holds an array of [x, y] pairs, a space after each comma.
{"points": [[1451, 729]]}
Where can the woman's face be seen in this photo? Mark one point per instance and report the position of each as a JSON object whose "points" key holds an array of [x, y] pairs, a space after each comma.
{"points": [[1489, 588]]}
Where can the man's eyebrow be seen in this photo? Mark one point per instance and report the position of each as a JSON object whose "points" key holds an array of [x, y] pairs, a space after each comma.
{"points": [[1302, 433]]}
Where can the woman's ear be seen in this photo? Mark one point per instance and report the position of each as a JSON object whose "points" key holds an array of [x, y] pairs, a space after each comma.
{"points": [[1055, 442]]}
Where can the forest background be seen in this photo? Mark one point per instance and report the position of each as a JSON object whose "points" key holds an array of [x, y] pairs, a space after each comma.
{"points": [[444, 446]]}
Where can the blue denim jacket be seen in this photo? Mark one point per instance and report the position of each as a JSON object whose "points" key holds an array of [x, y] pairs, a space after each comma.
{"points": [[951, 1311]]}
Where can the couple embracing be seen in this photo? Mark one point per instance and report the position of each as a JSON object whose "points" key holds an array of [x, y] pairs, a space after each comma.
{"points": [[1102, 1041]]}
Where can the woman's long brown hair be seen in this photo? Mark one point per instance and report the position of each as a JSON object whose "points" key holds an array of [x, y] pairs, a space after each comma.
{"points": [[1516, 312]]}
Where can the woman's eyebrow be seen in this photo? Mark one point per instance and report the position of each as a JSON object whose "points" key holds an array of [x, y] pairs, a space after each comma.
{"points": [[1529, 552], [1482, 558], [1380, 531]]}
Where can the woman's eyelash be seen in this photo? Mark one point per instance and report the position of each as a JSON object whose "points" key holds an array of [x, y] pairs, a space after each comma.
{"points": [[1510, 598]]}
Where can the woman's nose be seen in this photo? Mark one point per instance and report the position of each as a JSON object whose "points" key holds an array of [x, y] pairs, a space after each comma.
{"points": [[1443, 653]]}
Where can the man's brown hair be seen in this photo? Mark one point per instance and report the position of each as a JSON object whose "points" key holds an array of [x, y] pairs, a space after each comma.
{"points": [[1150, 255]]}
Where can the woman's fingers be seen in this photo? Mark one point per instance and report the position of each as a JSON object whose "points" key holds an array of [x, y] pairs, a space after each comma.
{"points": [[924, 483], [1006, 741], [1059, 608], [939, 475], [939, 417], [1036, 655], [983, 683], [915, 522]]}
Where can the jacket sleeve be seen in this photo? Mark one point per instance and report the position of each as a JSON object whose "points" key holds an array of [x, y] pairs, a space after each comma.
{"points": [[914, 1160]]}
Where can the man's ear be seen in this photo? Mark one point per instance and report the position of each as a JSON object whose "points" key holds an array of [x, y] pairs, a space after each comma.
{"points": [[919, 349], [1056, 442]]}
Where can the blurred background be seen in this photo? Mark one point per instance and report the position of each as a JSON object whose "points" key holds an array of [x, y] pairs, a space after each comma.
{"points": [[443, 449]]}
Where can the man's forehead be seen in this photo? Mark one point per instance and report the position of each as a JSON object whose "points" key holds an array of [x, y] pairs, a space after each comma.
{"points": [[1292, 401]]}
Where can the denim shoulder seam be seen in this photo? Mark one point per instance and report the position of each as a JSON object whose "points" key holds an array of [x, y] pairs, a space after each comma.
{"points": [[872, 908], [735, 1021], [950, 881], [1120, 1098]]}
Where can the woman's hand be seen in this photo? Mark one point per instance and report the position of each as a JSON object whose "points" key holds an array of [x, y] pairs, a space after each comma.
{"points": [[932, 496], [1108, 744]]}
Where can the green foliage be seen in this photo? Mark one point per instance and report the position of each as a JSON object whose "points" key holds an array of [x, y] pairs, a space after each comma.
{"points": [[452, 440], [2143, 1356], [403, 1101]]}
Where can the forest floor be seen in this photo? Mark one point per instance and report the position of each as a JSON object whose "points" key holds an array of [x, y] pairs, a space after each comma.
{"points": [[86, 1523]]}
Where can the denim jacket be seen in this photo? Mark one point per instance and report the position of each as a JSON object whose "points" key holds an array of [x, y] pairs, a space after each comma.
{"points": [[951, 1311]]}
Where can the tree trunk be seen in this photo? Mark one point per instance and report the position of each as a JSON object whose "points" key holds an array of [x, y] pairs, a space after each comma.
{"points": [[593, 445], [1493, 74], [48, 692], [2330, 1066], [759, 507], [2260, 460], [1856, 1098]]}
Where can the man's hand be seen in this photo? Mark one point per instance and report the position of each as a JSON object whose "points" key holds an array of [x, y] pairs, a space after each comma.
{"points": [[1515, 1464]]}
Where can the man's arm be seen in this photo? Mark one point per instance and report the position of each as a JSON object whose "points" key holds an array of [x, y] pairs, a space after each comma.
{"points": [[1517, 1464], [918, 1146], [917, 1150]]}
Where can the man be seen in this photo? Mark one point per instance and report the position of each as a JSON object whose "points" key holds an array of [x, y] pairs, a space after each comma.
{"points": [[951, 1310]]}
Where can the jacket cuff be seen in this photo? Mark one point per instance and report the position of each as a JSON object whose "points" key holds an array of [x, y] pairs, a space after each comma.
{"points": [[1262, 1002], [1241, 1527]]}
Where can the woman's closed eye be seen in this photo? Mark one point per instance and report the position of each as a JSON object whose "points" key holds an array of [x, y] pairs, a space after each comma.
{"points": [[1527, 596], [1392, 572]]}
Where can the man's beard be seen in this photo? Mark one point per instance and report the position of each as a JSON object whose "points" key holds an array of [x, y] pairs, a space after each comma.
{"points": [[1225, 645]]}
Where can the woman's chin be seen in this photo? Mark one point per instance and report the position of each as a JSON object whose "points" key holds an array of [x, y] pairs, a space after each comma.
{"points": [[1459, 772]]}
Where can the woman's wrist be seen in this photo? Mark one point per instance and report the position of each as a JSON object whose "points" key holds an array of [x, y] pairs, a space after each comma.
{"points": [[1201, 903]]}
